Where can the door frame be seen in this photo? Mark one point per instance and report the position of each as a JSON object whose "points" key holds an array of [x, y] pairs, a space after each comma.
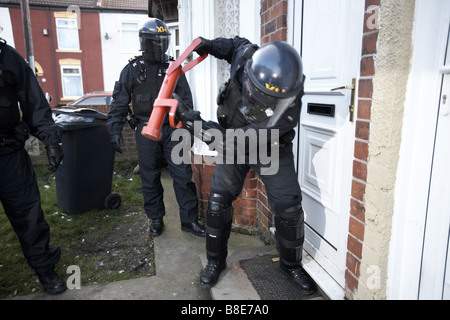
{"points": [[416, 155]]}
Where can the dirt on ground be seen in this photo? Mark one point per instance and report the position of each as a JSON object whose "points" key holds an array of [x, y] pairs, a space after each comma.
{"points": [[123, 253]]}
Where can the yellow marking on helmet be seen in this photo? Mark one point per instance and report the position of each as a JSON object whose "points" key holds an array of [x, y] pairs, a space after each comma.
{"points": [[273, 88], [161, 29]]}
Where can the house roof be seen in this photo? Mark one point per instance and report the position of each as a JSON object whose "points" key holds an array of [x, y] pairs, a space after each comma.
{"points": [[87, 4], [129, 4]]}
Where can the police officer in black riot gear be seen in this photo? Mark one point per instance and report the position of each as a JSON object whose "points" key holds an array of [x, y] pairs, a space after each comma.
{"points": [[264, 93], [139, 83], [24, 110]]}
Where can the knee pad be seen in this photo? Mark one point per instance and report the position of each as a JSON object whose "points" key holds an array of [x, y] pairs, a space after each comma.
{"points": [[219, 210], [292, 215]]}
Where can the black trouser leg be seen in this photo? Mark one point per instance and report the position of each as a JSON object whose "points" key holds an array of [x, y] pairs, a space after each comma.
{"points": [[184, 188], [150, 165], [19, 194]]}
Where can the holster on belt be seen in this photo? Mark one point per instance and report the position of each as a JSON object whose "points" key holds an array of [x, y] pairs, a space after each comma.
{"points": [[20, 133]]}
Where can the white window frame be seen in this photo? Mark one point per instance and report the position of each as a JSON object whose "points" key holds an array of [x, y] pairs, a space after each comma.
{"points": [[60, 28], [174, 46], [80, 74], [123, 33]]}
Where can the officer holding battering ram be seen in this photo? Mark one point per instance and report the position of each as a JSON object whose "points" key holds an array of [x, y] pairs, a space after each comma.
{"points": [[263, 95]]}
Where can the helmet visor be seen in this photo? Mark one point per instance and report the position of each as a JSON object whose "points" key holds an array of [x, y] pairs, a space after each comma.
{"points": [[261, 109], [155, 47]]}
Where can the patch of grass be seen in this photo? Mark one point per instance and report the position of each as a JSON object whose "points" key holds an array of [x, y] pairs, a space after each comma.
{"points": [[107, 245]]}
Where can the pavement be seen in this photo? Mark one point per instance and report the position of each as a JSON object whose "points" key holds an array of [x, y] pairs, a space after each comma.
{"points": [[179, 259]]}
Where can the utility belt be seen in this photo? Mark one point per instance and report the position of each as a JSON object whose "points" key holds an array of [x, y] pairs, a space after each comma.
{"points": [[134, 120], [15, 139], [8, 142]]}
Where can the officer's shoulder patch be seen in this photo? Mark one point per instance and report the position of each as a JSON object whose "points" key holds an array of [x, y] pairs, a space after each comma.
{"points": [[134, 59]]}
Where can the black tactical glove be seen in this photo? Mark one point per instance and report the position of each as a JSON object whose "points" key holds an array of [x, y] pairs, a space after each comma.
{"points": [[189, 118], [55, 155], [204, 47], [117, 142], [181, 109]]}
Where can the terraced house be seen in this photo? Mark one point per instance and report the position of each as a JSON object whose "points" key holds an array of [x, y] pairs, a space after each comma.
{"points": [[79, 46], [370, 148]]}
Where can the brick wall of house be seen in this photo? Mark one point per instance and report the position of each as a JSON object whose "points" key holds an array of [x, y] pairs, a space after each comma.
{"points": [[273, 20], [245, 218], [362, 132]]}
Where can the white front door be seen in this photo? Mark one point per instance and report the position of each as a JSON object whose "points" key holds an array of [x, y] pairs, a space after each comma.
{"points": [[330, 34], [435, 271]]}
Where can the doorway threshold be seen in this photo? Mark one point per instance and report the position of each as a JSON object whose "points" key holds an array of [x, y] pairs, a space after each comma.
{"points": [[329, 287]]}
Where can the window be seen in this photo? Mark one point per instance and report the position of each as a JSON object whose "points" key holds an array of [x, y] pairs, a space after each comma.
{"points": [[130, 37], [175, 48], [176, 42], [72, 84], [87, 100], [67, 34]]}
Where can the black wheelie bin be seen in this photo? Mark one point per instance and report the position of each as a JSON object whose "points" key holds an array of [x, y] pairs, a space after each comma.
{"points": [[84, 178]]}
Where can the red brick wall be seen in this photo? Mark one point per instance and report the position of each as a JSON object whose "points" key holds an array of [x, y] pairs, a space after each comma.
{"points": [[273, 20], [362, 132], [47, 54], [245, 216]]}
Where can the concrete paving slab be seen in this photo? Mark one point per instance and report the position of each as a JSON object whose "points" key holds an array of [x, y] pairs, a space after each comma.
{"points": [[234, 283]]}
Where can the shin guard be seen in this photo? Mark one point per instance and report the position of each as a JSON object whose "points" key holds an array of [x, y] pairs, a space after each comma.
{"points": [[219, 218], [289, 226]]}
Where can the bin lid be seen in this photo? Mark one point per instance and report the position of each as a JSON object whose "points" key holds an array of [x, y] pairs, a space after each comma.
{"points": [[73, 126], [81, 112]]}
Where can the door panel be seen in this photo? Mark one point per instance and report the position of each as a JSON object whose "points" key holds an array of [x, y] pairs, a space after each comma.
{"points": [[323, 36], [434, 279], [331, 52], [446, 289]]}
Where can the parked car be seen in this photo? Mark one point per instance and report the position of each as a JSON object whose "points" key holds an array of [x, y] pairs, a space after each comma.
{"points": [[97, 98]]}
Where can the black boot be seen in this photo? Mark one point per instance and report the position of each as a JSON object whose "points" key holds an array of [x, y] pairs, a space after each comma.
{"points": [[156, 227], [194, 227], [289, 224], [52, 282], [210, 275], [301, 280]]}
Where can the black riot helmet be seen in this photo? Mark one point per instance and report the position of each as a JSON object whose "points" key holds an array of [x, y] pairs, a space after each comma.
{"points": [[155, 39], [272, 80]]}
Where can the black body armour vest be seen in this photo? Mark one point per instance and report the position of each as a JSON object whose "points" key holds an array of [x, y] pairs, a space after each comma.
{"points": [[9, 109], [147, 83], [229, 100]]}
